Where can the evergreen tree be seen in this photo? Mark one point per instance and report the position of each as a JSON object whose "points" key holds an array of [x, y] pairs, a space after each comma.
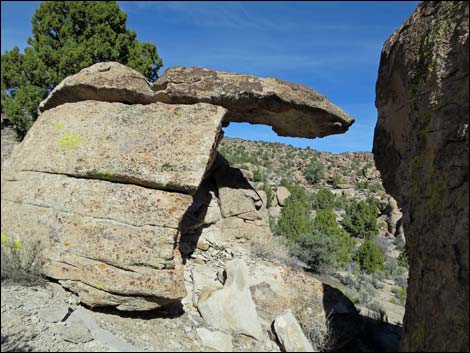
{"points": [[315, 171], [325, 223], [295, 217], [67, 37], [369, 257], [361, 219]]}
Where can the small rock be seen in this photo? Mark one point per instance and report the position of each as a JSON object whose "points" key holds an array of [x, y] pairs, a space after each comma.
{"points": [[290, 334], [76, 333], [282, 194], [53, 314], [215, 340], [231, 308]]}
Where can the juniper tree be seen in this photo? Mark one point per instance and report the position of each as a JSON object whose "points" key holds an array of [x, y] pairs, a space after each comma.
{"points": [[68, 36]]}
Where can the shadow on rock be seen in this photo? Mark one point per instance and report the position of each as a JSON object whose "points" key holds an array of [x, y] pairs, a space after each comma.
{"points": [[169, 311], [15, 343], [352, 332]]}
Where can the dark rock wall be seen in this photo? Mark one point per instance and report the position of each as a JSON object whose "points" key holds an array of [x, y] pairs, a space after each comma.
{"points": [[421, 147]]}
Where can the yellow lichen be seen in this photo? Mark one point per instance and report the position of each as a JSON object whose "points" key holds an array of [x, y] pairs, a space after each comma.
{"points": [[17, 245], [4, 238], [69, 141], [58, 126]]}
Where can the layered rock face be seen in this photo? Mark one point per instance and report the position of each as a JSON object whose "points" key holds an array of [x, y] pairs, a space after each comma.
{"points": [[421, 147], [96, 181], [110, 177]]}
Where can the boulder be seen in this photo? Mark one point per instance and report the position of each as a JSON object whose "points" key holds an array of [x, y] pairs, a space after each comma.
{"points": [[231, 309], [215, 340], [105, 186], [421, 147], [106, 82], [291, 109], [137, 144], [237, 196], [263, 196], [282, 194], [290, 334]]}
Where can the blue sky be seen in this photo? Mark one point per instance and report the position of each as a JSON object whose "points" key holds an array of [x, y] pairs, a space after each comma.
{"points": [[333, 47]]}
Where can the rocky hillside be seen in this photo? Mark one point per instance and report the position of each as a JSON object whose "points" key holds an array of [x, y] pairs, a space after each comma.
{"points": [[347, 179], [272, 162]]}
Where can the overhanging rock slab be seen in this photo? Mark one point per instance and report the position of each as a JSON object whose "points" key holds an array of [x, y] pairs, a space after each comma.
{"points": [[291, 109]]}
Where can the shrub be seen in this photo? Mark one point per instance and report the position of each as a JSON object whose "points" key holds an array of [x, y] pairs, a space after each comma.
{"points": [[402, 259], [317, 332], [336, 181], [324, 200], [366, 293], [258, 176], [21, 261], [315, 171], [316, 250], [400, 293], [369, 257], [362, 185], [295, 216], [361, 218], [275, 249], [325, 222], [378, 312]]}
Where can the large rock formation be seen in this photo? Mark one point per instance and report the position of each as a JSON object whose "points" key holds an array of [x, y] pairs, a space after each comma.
{"points": [[110, 177], [421, 146], [291, 109], [95, 181]]}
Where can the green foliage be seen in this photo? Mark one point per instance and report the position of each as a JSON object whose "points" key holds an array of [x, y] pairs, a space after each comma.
{"points": [[336, 181], [400, 292], [21, 108], [315, 171], [326, 200], [258, 176], [374, 187], [361, 218], [237, 157], [22, 261], [321, 243], [68, 36], [369, 257], [325, 222], [295, 217], [403, 259], [317, 250]]}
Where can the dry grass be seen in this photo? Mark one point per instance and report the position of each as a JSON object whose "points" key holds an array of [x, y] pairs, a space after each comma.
{"points": [[318, 332], [275, 249], [22, 261]]}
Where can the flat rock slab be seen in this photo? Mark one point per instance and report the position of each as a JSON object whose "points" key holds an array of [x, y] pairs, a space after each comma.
{"points": [[158, 145], [107, 82], [291, 109]]}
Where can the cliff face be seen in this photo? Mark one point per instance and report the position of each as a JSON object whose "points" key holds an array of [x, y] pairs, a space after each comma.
{"points": [[421, 147]]}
